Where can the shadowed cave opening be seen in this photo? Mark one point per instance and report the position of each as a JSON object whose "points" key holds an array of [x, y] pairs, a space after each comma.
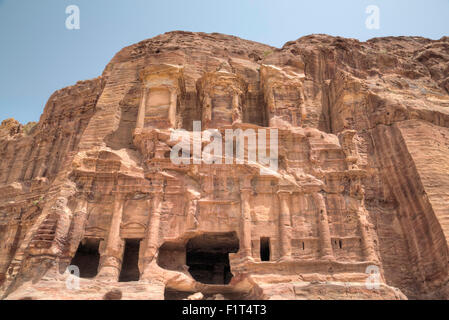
{"points": [[207, 256], [87, 257], [130, 264]]}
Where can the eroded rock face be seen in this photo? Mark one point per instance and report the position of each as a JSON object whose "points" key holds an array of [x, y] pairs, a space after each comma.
{"points": [[356, 208]]}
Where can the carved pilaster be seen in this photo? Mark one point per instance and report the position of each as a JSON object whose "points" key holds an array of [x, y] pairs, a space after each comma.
{"points": [[285, 232], [112, 255], [192, 212], [209, 184], [79, 223], [64, 219], [347, 142], [323, 225], [236, 109], [367, 240], [172, 109], [245, 224], [207, 110], [141, 113], [153, 226]]}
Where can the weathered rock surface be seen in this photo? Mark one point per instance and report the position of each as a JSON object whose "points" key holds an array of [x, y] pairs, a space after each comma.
{"points": [[358, 208]]}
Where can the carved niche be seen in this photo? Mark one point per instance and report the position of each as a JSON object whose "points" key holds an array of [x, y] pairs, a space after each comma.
{"points": [[284, 96], [162, 88], [222, 95]]}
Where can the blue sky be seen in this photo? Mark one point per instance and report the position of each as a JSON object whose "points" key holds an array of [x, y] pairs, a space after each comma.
{"points": [[38, 55]]}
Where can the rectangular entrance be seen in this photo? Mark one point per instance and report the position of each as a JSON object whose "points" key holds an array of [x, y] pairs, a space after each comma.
{"points": [[87, 258], [130, 265], [265, 249]]}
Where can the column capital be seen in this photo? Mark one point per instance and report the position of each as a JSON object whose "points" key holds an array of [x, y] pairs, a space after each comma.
{"points": [[246, 188], [318, 196], [284, 193], [245, 182], [119, 195], [246, 193], [157, 186]]}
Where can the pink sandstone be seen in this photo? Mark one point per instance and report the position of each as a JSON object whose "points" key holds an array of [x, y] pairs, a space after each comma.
{"points": [[362, 183]]}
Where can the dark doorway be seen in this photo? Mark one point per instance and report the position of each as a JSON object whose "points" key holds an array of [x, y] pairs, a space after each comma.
{"points": [[208, 257], [87, 258], [265, 249], [130, 264]]}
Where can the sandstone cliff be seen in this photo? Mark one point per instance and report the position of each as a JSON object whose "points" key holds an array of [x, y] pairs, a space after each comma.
{"points": [[362, 184]]}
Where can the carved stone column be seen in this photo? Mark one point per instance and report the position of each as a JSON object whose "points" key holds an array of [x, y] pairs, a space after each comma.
{"points": [[367, 241], [245, 221], [347, 141], [357, 203], [76, 234], [323, 225], [236, 111], [206, 111], [153, 226], [285, 228], [142, 109], [209, 184], [303, 111], [271, 105], [172, 109], [64, 218], [112, 255], [192, 219], [79, 222]]}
